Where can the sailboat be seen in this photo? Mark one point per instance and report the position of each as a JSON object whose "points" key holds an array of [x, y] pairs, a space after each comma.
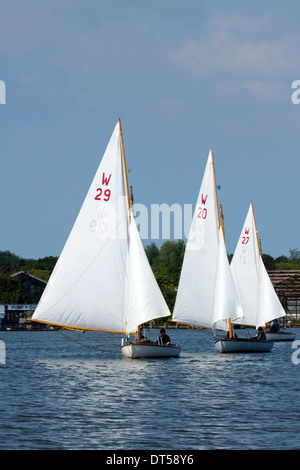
{"points": [[206, 295], [102, 280], [256, 292]]}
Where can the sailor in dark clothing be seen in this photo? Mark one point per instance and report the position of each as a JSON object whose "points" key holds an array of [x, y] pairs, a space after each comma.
{"points": [[164, 338], [275, 326], [261, 336]]}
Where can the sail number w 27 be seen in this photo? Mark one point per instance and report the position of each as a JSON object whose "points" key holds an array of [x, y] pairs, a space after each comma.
{"points": [[103, 195]]}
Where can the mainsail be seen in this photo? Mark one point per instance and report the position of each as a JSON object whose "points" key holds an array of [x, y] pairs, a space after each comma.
{"points": [[255, 290], [92, 286]]}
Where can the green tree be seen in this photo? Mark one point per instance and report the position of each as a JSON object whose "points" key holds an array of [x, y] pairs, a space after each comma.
{"points": [[167, 286], [10, 291], [295, 255], [7, 259], [171, 256], [269, 262], [152, 253], [281, 259]]}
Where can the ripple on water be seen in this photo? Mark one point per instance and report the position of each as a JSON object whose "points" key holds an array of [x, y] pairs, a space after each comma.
{"points": [[59, 395]]}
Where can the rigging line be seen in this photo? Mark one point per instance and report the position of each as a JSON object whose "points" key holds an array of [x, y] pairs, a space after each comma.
{"points": [[85, 345]]}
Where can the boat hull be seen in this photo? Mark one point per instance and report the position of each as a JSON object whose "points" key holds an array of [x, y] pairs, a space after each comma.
{"points": [[280, 336], [143, 349], [242, 345]]}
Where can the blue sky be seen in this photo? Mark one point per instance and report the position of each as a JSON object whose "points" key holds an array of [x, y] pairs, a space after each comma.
{"points": [[183, 77]]}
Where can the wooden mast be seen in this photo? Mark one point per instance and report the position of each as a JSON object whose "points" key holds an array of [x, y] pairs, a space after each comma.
{"points": [[125, 169], [222, 219], [213, 166], [258, 242], [256, 231], [220, 224], [129, 199]]}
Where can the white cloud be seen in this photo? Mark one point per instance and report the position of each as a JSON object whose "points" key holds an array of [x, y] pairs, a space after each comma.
{"points": [[240, 51]]}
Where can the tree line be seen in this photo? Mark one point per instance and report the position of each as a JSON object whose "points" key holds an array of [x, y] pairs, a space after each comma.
{"points": [[165, 262]]}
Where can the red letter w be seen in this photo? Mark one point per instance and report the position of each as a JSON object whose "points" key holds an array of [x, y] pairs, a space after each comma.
{"points": [[203, 200]]}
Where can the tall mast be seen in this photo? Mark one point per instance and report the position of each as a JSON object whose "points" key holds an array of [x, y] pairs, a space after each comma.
{"points": [[214, 174], [129, 200], [222, 219], [220, 223], [256, 232], [258, 241], [125, 169]]}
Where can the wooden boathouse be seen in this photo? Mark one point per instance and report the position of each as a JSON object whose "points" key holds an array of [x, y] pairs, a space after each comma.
{"points": [[287, 287]]}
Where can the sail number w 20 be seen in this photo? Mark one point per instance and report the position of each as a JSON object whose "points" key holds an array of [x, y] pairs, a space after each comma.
{"points": [[202, 211]]}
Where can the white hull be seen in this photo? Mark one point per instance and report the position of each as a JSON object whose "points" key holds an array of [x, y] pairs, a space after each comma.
{"points": [[138, 350], [242, 345], [280, 336]]}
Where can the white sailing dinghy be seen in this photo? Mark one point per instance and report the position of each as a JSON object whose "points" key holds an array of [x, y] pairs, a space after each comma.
{"points": [[102, 280], [256, 292], [206, 295]]}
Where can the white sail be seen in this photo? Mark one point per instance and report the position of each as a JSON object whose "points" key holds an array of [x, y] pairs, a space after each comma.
{"points": [[244, 269], [226, 304], [143, 298], [86, 288], [195, 296], [257, 295], [269, 306]]}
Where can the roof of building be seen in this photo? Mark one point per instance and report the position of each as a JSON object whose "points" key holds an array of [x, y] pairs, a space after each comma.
{"points": [[286, 283], [23, 274]]}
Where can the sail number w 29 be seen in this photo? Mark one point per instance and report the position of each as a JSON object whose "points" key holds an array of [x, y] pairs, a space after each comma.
{"points": [[103, 195]]}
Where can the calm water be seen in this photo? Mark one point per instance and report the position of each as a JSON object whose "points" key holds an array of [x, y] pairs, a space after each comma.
{"points": [[57, 394]]}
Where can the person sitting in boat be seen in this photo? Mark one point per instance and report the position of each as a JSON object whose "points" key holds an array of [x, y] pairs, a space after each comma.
{"points": [[261, 336], [163, 338], [275, 326]]}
